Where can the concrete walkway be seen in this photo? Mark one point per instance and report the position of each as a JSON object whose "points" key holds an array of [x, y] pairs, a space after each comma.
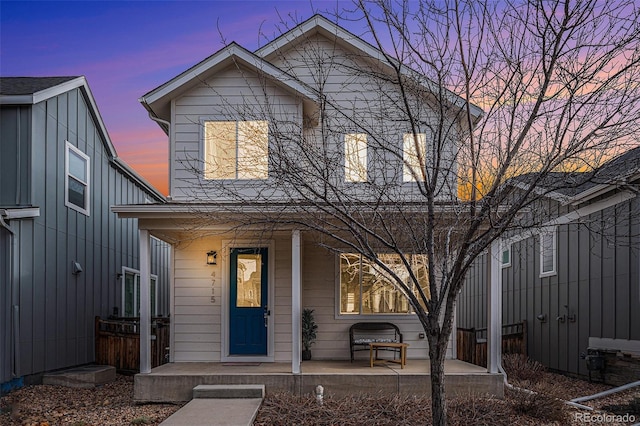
{"points": [[219, 405], [216, 412]]}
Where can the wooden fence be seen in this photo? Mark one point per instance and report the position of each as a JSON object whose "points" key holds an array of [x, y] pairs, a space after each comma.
{"points": [[472, 342], [118, 342]]}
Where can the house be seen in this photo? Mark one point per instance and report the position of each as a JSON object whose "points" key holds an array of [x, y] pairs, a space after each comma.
{"points": [[64, 257], [241, 271], [576, 278]]}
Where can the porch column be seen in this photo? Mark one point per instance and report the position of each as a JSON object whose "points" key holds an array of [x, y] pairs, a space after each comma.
{"points": [[145, 301], [296, 302], [494, 311]]}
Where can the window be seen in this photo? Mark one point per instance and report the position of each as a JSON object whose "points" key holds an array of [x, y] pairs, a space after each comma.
{"points": [[236, 149], [131, 293], [77, 179], [413, 156], [355, 157], [548, 253], [367, 289], [505, 257]]}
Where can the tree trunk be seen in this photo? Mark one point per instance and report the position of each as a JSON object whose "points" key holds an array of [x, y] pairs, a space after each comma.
{"points": [[438, 399]]}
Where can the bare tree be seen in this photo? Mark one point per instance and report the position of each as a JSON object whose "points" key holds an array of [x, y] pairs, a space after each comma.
{"points": [[480, 91]]}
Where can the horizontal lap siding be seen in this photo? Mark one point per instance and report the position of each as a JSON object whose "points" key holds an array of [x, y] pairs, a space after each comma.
{"points": [[196, 320], [230, 95], [320, 282], [371, 102]]}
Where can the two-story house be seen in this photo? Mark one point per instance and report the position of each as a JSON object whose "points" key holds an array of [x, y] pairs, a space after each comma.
{"points": [[255, 139], [64, 257]]}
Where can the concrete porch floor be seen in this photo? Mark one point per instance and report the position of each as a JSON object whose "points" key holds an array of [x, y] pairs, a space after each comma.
{"points": [[175, 381]]}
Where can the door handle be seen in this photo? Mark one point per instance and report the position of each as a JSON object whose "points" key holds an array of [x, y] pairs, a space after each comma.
{"points": [[266, 315]]}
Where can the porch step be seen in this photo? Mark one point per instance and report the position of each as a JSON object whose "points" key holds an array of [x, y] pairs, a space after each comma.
{"points": [[228, 391]]}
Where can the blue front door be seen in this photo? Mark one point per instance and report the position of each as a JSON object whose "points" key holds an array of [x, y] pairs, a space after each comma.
{"points": [[248, 311]]}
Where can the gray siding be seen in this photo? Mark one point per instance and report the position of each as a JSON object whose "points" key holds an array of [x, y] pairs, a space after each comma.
{"points": [[5, 306], [57, 308], [15, 126], [597, 280]]}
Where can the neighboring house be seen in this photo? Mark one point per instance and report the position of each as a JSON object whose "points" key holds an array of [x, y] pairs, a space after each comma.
{"points": [[576, 279], [64, 257], [245, 305]]}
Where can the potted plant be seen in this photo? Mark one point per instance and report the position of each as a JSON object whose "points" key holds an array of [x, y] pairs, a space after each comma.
{"points": [[309, 330]]}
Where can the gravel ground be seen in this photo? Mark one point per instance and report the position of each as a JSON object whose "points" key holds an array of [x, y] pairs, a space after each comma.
{"points": [[112, 404]]}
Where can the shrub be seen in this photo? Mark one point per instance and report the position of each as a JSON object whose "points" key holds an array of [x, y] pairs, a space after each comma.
{"points": [[520, 367], [542, 407]]}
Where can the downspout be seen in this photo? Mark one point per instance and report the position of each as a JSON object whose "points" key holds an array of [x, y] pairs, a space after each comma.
{"points": [[168, 124]]}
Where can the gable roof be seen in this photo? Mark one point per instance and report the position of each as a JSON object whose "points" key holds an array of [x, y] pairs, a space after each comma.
{"points": [[33, 90], [318, 24], [158, 100], [578, 187]]}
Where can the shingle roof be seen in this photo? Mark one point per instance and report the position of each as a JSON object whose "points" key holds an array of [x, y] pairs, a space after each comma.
{"points": [[29, 85], [574, 183]]}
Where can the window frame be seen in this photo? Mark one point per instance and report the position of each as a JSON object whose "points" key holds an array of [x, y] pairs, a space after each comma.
{"points": [[408, 174], [552, 232], [239, 174], [505, 247], [359, 153], [360, 315], [136, 284], [68, 175]]}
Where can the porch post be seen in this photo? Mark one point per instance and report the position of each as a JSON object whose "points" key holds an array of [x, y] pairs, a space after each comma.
{"points": [[494, 311], [296, 302], [145, 302]]}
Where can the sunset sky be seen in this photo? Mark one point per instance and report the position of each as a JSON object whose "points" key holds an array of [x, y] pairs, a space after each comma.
{"points": [[125, 49]]}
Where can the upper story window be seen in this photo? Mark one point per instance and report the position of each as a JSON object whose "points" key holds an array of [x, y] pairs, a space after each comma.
{"points": [[236, 150], [77, 179], [413, 156], [367, 289], [355, 157], [548, 252]]}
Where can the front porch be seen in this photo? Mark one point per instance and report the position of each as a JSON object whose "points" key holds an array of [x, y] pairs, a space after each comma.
{"points": [[175, 381]]}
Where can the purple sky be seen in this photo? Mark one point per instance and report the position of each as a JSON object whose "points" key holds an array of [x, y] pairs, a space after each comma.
{"points": [[125, 49]]}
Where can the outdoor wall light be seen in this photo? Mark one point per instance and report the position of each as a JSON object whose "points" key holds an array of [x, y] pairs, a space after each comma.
{"points": [[76, 268], [212, 257]]}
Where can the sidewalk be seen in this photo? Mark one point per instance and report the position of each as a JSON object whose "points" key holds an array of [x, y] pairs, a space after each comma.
{"points": [[216, 412]]}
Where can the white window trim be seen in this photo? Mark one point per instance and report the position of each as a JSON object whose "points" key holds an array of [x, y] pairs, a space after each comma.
{"points": [[136, 273], [340, 315], [68, 147], [554, 250], [360, 174], [408, 173], [505, 246], [203, 151]]}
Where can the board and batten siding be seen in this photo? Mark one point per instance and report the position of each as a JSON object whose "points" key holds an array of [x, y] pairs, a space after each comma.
{"points": [[56, 307], [597, 280]]}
